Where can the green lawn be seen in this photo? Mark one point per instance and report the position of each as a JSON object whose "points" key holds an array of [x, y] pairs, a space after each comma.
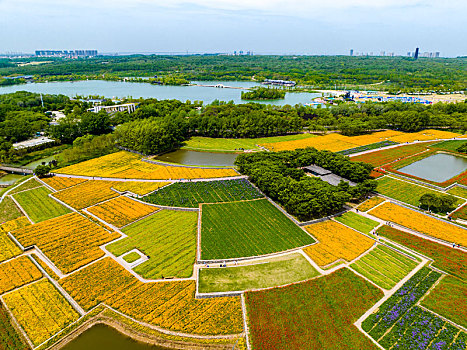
{"points": [[39, 205], [358, 222], [132, 257], [168, 237], [451, 145], [191, 194], [384, 266], [233, 145], [272, 272], [250, 228], [458, 191], [448, 299], [25, 185], [403, 191], [8, 210]]}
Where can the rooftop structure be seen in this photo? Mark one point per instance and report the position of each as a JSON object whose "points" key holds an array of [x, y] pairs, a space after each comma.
{"points": [[326, 175], [32, 142], [279, 82], [129, 107]]}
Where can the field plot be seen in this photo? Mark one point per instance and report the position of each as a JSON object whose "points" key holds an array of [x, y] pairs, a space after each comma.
{"points": [[369, 147], [39, 206], [404, 191], [420, 329], [132, 257], [8, 210], [9, 337], [272, 272], [128, 165], [60, 183], [358, 222], [40, 310], [448, 299], [399, 303], [168, 238], [370, 203], [235, 145], [138, 187], [191, 194], [318, 314], [458, 191], [451, 145], [17, 272], [87, 194], [241, 229], [15, 224], [170, 305], [25, 185], [384, 266], [336, 241], [460, 213], [450, 260], [421, 223], [8, 249], [121, 211], [382, 157], [330, 142], [70, 241]]}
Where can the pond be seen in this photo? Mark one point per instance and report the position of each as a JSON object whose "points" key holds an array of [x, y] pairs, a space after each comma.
{"points": [[34, 164], [124, 89], [438, 168], [10, 179], [100, 337], [187, 157]]}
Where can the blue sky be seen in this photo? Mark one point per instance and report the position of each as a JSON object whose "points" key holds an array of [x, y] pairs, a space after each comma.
{"points": [[263, 26]]}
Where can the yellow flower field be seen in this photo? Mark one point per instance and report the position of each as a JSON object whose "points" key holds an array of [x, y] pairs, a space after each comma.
{"points": [[87, 194], [421, 223], [370, 203], [69, 241], [336, 142], [130, 166], [17, 272], [170, 305], [40, 310], [122, 211], [8, 249], [336, 241], [59, 183], [138, 187]]}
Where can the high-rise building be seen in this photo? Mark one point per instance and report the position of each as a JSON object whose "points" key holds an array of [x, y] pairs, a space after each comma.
{"points": [[415, 56], [437, 54], [351, 52], [65, 53]]}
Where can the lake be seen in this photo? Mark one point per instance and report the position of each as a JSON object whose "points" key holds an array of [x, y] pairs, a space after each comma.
{"points": [[438, 168], [101, 337], [183, 156], [120, 89]]}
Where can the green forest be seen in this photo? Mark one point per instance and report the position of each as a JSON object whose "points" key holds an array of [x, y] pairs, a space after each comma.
{"points": [[377, 73], [263, 93]]}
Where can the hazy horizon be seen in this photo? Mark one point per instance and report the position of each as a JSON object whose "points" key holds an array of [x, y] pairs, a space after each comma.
{"points": [[209, 26]]}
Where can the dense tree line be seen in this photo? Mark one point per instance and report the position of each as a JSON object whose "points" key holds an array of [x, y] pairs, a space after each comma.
{"points": [[391, 73], [263, 93], [280, 176]]}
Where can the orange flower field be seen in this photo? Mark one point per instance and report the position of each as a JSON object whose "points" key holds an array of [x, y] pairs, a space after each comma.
{"points": [[370, 203], [170, 305], [130, 166], [17, 272], [121, 211], [40, 310], [60, 183], [138, 187], [421, 223], [70, 241], [87, 194], [336, 241]]}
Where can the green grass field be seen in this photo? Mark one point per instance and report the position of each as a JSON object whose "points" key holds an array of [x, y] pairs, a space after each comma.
{"points": [[384, 266], [25, 185], [132, 257], [458, 191], [8, 210], [241, 229], [168, 237], [272, 272], [448, 299], [358, 222], [451, 145], [191, 194], [234, 145], [403, 191], [39, 205]]}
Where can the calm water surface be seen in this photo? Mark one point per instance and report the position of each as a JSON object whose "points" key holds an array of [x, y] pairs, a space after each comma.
{"points": [[183, 156], [10, 179], [145, 90], [102, 337], [438, 168]]}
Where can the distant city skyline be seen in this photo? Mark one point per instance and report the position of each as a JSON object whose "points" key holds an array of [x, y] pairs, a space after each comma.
{"points": [[208, 26]]}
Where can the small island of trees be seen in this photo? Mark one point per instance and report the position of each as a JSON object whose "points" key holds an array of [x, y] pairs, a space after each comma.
{"points": [[263, 93]]}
